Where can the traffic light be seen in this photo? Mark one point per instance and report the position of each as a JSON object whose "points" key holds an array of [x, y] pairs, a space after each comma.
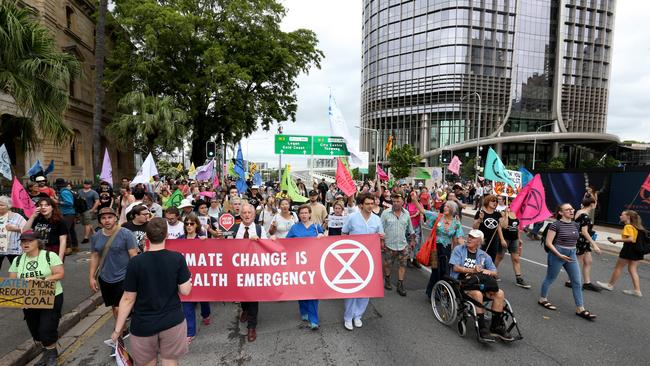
{"points": [[445, 156], [210, 149]]}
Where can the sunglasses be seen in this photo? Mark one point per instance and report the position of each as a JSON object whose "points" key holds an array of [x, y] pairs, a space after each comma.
{"points": [[190, 223]]}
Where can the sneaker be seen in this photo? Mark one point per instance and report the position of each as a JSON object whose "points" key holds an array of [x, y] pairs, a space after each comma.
{"points": [[498, 278], [305, 318], [590, 286], [501, 333], [206, 321], [348, 325], [358, 323], [313, 326], [109, 342], [522, 283], [484, 335], [567, 284], [85, 241], [605, 285], [633, 293], [387, 285]]}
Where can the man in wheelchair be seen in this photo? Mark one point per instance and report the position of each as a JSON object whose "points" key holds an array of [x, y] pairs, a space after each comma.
{"points": [[476, 272]]}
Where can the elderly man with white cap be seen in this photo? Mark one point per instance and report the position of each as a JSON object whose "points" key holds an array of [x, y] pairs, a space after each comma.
{"points": [[476, 271]]}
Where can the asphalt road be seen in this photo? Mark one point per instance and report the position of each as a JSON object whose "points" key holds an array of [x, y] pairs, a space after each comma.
{"points": [[403, 330]]}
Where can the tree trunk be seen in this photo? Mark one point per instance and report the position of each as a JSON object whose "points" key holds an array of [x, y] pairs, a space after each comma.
{"points": [[100, 53], [198, 149]]}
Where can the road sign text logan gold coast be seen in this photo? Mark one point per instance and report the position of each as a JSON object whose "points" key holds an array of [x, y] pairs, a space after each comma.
{"points": [[310, 145]]}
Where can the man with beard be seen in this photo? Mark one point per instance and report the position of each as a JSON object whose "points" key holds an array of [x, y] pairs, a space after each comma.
{"points": [[138, 225]]}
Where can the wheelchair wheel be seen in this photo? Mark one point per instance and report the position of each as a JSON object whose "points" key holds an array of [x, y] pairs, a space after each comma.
{"points": [[444, 303], [462, 327]]}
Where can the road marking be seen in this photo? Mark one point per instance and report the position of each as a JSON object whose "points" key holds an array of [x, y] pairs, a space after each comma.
{"points": [[84, 336]]}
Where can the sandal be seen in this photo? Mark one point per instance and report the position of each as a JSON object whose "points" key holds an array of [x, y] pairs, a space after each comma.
{"points": [[547, 305], [585, 314]]}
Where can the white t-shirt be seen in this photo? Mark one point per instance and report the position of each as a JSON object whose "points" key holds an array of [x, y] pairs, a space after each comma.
{"points": [[283, 225], [174, 232], [266, 218]]}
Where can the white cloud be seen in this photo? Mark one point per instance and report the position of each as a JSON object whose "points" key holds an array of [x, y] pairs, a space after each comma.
{"points": [[337, 24]]}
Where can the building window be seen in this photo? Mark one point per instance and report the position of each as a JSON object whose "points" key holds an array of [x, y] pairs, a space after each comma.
{"points": [[71, 86], [74, 147], [68, 17]]}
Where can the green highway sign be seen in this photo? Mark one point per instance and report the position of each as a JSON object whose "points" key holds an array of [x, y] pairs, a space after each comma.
{"points": [[293, 145], [330, 146]]}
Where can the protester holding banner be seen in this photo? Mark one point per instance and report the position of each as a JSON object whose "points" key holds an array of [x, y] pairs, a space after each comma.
{"points": [[307, 229], [267, 213], [283, 220], [11, 224], [361, 222], [47, 222], [249, 230], [336, 219], [152, 286], [37, 262], [561, 243], [488, 220], [628, 255]]}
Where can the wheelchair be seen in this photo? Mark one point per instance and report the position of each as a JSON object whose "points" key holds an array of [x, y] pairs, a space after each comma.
{"points": [[451, 305]]}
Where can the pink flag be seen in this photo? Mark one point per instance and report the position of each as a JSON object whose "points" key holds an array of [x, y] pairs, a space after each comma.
{"points": [[454, 165], [381, 173], [215, 184], [344, 179], [20, 198], [207, 194], [646, 184], [530, 204]]}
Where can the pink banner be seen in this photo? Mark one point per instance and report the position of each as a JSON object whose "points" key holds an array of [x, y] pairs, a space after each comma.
{"points": [[454, 165], [344, 179], [381, 173], [530, 204], [20, 198], [285, 269]]}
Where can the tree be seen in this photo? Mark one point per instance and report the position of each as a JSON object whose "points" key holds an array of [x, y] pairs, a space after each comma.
{"points": [[100, 54], [35, 74], [556, 163], [226, 63], [402, 159], [168, 169], [468, 169], [148, 123]]}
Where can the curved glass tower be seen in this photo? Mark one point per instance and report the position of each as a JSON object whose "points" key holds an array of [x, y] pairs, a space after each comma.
{"points": [[455, 74]]}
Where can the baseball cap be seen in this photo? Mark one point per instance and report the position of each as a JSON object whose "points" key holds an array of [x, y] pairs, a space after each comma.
{"points": [[88, 181], [40, 178], [475, 233], [106, 211], [313, 193], [29, 235]]}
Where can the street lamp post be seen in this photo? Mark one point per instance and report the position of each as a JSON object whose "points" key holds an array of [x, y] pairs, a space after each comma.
{"points": [[376, 141], [535, 140], [478, 131]]}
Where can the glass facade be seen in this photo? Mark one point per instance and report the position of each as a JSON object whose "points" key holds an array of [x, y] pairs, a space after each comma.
{"points": [[424, 60]]}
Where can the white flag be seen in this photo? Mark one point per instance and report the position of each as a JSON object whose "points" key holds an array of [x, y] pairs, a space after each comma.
{"points": [[340, 129], [107, 170], [5, 163], [146, 172]]}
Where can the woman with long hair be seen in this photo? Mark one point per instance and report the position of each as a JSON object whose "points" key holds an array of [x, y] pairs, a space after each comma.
{"points": [[192, 230], [416, 219], [43, 324], [47, 222], [267, 213], [125, 199], [283, 220], [514, 244], [561, 242], [489, 221], [586, 243], [628, 255]]}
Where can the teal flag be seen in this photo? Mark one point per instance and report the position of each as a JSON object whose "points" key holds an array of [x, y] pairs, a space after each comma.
{"points": [[495, 170]]}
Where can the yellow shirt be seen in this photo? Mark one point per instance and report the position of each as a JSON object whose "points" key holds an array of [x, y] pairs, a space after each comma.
{"points": [[629, 231]]}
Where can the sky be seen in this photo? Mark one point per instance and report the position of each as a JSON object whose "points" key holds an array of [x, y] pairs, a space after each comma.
{"points": [[337, 24]]}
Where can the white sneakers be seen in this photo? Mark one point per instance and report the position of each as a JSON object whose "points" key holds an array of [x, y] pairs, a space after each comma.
{"points": [[633, 293], [357, 324], [348, 325], [605, 285]]}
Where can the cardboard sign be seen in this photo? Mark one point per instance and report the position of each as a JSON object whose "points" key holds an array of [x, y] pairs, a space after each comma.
{"points": [[503, 189], [285, 269], [24, 294]]}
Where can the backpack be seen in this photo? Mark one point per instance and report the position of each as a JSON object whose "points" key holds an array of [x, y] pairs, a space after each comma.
{"points": [[80, 204], [47, 258], [642, 243], [543, 239]]}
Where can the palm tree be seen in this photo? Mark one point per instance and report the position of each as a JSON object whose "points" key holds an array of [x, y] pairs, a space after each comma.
{"points": [[100, 53], [36, 75], [148, 123]]}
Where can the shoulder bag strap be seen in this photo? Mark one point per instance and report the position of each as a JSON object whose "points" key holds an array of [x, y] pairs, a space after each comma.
{"points": [[102, 257]]}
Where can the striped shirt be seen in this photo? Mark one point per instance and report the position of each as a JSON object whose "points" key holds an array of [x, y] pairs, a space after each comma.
{"points": [[566, 233], [396, 228]]}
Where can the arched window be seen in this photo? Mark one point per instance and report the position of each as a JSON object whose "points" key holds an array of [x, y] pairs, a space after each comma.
{"points": [[68, 17]]}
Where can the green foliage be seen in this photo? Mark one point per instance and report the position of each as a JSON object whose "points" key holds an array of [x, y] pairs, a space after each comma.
{"points": [[226, 63], [168, 169], [401, 159], [556, 163], [356, 175], [468, 169], [35, 73], [148, 123]]}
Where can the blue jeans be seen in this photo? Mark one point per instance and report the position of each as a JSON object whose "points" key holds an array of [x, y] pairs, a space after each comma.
{"points": [[572, 268], [189, 308], [309, 308]]}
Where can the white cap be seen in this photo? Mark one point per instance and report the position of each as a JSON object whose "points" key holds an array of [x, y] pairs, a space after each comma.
{"points": [[185, 203], [476, 233], [40, 178], [255, 187]]}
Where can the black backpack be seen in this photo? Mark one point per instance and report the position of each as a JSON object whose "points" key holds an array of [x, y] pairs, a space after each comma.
{"points": [[80, 204], [543, 239], [642, 243], [47, 258]]}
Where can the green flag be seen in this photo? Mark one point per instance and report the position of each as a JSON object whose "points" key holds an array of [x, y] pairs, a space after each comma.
{"points": [[287, 184], [231, 169], [175, 199], [495, 170], [422, 173]]}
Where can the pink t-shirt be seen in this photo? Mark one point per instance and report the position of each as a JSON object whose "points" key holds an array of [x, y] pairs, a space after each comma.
{"points": [[413, 209]]}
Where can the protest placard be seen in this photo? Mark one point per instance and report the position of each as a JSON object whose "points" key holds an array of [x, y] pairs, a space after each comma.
{"points": [[29, 294]]}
